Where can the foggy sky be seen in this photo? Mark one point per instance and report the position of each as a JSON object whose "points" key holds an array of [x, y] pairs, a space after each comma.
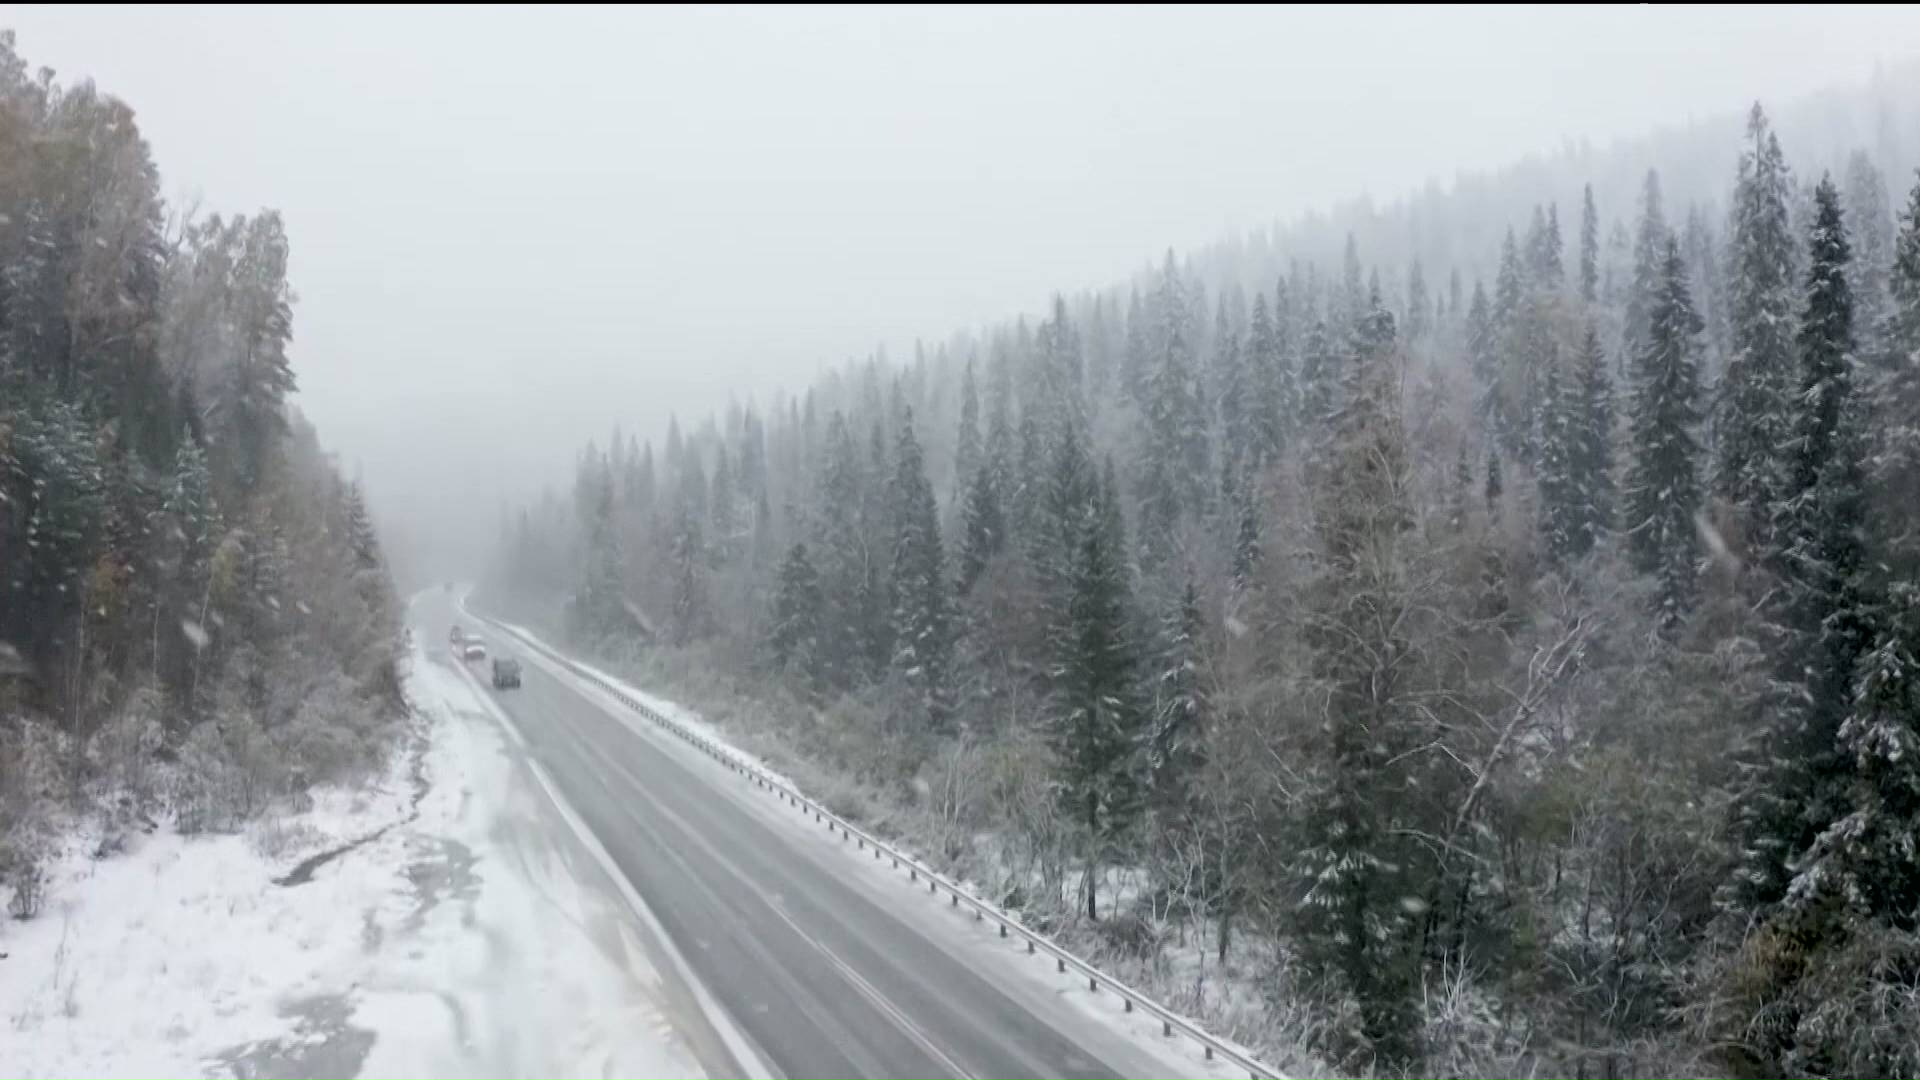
{"points": [[512, 229]]}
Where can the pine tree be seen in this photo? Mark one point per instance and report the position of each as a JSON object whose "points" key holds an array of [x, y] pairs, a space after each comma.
{"points": [[1895, 400], [1356, 865], [1177, 748], [1703, 264], [1904, 285], [846, 556], [1236, 406], [1059, 401], [251, 408], [1273, 388], [1823, 515], [1509, 286], [1755, 425], [1575, 453], [1663, 489], [1594, 452], [363, 543], [723, 510], [797, 613], [1097, 717], [1649, 248], [1483, 356], [1561, 498], [687, 547], [1002, 449], [922, 614], [1461, 491], [1589, 247], [1864, 861], [967, 452], [1551, 273], [1174, 449], [1791, 849], [1870, 223], [1246, 544], [1319, 379], [1136, 358], [983, 531]]}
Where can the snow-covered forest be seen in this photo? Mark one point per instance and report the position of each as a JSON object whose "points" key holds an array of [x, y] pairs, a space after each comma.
{"points": [[1472, 637], [196, 621]]}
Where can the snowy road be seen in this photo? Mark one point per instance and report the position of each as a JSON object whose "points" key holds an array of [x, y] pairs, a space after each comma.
{"points": [[826, 971]]}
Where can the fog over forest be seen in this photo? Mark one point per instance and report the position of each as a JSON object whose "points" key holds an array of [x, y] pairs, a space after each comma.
{"points": [[553, 221]]}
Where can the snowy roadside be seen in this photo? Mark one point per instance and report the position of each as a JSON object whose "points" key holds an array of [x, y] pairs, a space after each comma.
{"points": [[469, 939]]}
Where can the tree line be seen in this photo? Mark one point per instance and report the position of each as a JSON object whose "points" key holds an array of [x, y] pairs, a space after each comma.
{"points": [[1534, 664], [195, 612]]}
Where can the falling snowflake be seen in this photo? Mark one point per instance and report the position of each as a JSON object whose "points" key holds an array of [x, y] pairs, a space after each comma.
{"points": [[195, 633]]}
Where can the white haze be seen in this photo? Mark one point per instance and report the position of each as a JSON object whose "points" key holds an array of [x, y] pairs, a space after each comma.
{"points": [[515, 228]]}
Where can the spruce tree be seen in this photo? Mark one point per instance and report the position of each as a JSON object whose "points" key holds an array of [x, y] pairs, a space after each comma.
{"points": [[1552, 272], [1650, 243], [1271, 375], [1177, 748], [1561, 498], [1663, 494], [1810, 832], [687, 548], [1822, 519], [1098, 720], [967, 452], [1174, 449], [1594, 449], [983, 530], [1237, 408], [1509, 286], [1589, 247], [922, 611], [845, 555], [1319, 378], [1136, 358], [1756, 421], [1870, 225], [1246, 544], [1483, 355], [1357, 865], [797, 613]]}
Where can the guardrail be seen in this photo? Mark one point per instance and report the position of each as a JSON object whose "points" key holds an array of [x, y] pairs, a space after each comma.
{"points": [[1170, 1022]]}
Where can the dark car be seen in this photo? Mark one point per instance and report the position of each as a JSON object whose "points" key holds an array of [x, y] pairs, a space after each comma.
{"points": [[506, 673]]}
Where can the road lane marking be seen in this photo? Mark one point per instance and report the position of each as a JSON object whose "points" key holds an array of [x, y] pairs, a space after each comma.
{"points": [[771, 899]]}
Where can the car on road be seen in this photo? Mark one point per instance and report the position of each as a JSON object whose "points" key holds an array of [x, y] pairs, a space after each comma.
{"points": [[506, 673], [474, 649]]}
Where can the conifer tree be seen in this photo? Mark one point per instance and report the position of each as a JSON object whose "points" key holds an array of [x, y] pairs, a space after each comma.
{"points": [[1663, 494]]}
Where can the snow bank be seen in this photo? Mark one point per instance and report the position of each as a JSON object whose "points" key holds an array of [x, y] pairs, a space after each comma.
{"points": [[467, 940]]}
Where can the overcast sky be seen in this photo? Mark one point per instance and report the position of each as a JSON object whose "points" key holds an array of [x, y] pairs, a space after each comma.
{"points": [[513, 228]]}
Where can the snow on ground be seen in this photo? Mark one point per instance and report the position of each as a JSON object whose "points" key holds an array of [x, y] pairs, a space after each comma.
{"points": [[1064, 1000], [471, 939]]}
